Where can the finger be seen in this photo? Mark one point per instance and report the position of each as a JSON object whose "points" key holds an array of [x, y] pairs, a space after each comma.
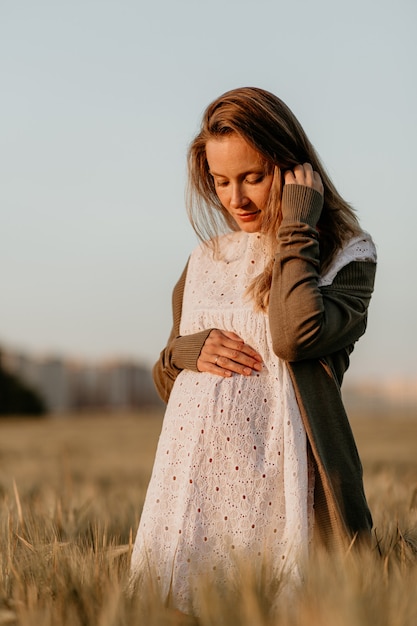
{"points": [[233, 358], [217, 341], [217, 335], [318, 183], [230, 359], [207, 366], [213, 366], [240, 364], [230, 334], [289, 178], [229, 344], [299, 174], [237, 351], [312, 178], [308, 175], [223, 366], [296, 176]]}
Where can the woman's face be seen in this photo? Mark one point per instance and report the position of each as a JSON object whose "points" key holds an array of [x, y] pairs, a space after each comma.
{"points": [[241, 178]]}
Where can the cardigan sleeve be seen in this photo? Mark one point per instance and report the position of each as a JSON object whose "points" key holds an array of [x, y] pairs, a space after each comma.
{"points": [[308, 321], [181, 352]]}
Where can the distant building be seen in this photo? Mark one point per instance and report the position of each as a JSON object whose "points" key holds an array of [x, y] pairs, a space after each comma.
{"points": [[55, 385], [69, 386]]}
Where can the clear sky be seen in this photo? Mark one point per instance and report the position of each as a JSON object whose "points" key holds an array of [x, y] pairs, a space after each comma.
{"points": [[99, 100]]}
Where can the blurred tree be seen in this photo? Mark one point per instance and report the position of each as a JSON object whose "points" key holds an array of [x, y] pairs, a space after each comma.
{"points": [[16, 398]]}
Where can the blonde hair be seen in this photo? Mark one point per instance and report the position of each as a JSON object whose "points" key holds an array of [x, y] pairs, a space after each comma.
{"points": [[269, 126]]}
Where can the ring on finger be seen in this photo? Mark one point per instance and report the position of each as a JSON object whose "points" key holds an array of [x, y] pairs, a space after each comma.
{"points": [[216, 359]]}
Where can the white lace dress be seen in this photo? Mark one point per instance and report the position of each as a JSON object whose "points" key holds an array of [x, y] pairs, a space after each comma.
{"points": [[230, 483]]}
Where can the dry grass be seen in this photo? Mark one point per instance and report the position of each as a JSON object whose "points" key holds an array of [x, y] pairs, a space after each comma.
{"points": [[71, 492]]}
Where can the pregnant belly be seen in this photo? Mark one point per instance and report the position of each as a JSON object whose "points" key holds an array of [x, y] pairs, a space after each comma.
{"points": [[236, 420]]}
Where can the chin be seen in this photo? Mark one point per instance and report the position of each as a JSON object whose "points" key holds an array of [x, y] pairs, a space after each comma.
{"points": [[252, 227]]}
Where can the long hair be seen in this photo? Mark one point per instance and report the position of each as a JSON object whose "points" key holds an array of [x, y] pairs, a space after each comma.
{"points": [[270, 127]]}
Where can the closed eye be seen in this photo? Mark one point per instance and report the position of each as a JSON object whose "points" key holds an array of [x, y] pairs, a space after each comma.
{"points": [[254, 181]]}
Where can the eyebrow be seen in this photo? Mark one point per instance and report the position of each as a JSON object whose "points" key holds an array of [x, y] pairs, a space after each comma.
{"points": [[259, 170]]}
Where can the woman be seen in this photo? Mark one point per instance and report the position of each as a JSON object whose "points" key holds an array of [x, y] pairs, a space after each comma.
{"points": [[256, 451]]}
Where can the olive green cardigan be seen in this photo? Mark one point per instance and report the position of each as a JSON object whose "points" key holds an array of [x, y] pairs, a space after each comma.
{"points": [[313, 329]]}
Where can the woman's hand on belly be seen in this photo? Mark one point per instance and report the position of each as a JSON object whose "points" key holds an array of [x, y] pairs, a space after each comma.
{"points": [[225, 352]]}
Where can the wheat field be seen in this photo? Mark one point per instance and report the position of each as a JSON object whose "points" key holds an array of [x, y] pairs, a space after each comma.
{"points": [[71, 493]]}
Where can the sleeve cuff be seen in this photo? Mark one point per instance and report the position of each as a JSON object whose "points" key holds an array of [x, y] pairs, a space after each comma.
{"points": [[187, 350], [301, 204]]}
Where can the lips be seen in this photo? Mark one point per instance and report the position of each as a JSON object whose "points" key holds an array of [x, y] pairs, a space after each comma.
{"points": [[248, 216]]}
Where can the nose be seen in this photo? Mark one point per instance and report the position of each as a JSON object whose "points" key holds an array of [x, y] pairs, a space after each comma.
{"points": [[238, 198]]}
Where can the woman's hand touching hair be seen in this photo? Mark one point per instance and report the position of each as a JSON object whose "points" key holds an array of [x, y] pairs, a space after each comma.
{"points": [[304, 175]]}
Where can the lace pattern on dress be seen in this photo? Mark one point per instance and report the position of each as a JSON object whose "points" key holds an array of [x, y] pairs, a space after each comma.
{"points": [[360, 248]]}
